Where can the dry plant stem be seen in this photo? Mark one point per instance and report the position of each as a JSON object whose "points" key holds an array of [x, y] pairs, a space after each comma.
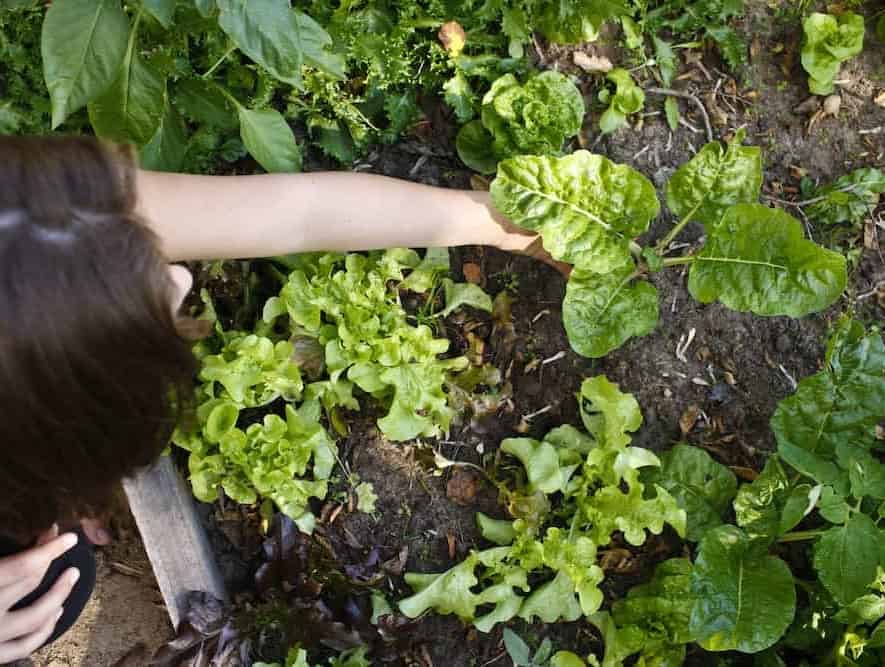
{"points": [[687, 96]]}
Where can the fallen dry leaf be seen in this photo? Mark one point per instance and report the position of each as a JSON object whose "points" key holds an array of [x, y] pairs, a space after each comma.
{"points": [[479, 183], [689, 418], [472, 273], [880, 99], [462, 487], [453, 545], [747, 474], [592, 64]]}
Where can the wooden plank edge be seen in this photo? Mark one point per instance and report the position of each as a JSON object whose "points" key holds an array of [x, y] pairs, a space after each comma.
{"points": [[173, 536]]}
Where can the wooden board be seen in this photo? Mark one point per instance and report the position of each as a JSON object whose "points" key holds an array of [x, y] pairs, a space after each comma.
{"points": [[173, 536]]}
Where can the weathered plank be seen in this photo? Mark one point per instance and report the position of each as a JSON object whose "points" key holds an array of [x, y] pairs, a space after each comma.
{"points": [[173, 536]]}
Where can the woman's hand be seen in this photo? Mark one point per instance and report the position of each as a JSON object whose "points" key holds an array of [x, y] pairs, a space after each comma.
{"points": [[25, 630]]}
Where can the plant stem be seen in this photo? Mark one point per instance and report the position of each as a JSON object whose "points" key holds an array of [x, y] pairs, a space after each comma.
{"points": [[214, 67], [676, 261], [801, 535], [668, 239], [635, 249]]}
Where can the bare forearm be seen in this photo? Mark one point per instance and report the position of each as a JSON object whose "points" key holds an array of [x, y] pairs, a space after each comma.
{"points": [[216, 217]]}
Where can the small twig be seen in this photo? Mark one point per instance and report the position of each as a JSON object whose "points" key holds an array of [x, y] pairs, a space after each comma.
{"points": [[808, 202], [554, 358], [685, 123], [687, 96], [790, 378], [683, 345], [537, 413]]}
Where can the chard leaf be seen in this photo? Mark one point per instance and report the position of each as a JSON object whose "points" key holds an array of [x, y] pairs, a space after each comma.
{"points": [[601, 312], [757, 260], [586, 208], [701, 486], [846, 558], [278, 38], [770, 506], [715, 179], [841, 404], [574, 22], [745, 599], [83, 45], [269, 139]]}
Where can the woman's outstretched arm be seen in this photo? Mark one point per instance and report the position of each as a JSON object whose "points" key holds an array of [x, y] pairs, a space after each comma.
{"points": [[219, 217]]}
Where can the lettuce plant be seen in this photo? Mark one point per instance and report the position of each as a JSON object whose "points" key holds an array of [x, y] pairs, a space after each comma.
{"points": [[848, 200], [579, 489], [530, 119], [829, 41], [588, 211], [627, 99], [347, 309]]}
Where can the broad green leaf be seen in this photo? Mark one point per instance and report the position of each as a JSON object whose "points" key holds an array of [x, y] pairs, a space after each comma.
{"points": [[745, 598], [865, 609], [586, 208], [205, 7], [832, 506], [434, 264], [553, 601], [162, 10], [715, 179], [474, 146], [771, 506], [270, 140], [620, 643], [459, 95], [83, 47], [166, 149], [628, 98], [198, 100], [601, 312], [566, 659], [846, 558], [464, 294], [757, 259], [575, 22], [841, 404], [132, 108], [278, 38], [701, 486]]}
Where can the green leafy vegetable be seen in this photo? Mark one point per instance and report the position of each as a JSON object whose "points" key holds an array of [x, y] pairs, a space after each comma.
{"points": [[745, 598], [771, 505], [757, 259], [850, 199], [714, 180], [597, 477], [534, 118], [846, 558], [829, 41], [84, 42], [270, 140], [627, 99], [701, 486]]}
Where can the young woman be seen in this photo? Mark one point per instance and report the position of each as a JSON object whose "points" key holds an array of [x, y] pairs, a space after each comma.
{"points": [[94, 354]]}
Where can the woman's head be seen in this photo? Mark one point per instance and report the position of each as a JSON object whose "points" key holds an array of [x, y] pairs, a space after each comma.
{"points": [[92, 367]]}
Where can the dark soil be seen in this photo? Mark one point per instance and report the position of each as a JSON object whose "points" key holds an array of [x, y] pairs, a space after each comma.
{"points": [[719, 396]]}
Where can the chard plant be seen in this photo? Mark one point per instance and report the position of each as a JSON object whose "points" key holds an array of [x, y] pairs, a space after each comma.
{"points": [[588, 211], [577, 489], [739, 594], [830, 40]]}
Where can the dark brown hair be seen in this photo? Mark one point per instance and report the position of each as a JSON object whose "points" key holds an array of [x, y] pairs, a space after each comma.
{"points": [[93, 372]]}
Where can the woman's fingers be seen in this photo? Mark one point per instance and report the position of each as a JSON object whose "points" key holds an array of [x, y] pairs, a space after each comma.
{"points": [[23, 647], [30, 619], [35, 561]]}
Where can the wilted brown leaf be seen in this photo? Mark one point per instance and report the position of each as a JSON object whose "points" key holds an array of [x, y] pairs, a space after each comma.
{"points": [[462, 487], [689, 418], [472, 273], [592, 64]]}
